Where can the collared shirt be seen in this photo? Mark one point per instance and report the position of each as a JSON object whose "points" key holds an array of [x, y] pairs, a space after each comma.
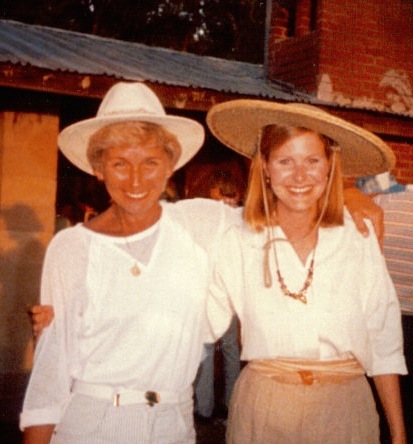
{"points": [[352, 308]]}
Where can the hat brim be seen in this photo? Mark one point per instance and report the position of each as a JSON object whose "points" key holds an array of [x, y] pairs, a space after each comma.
{"points": [[237, 124], [73, 141]]}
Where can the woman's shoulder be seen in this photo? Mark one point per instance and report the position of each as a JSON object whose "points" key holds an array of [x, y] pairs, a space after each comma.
{"points": [[347, 236], [350, 227], [198, 204], [200, 211], [70, 237], [203, 219]]}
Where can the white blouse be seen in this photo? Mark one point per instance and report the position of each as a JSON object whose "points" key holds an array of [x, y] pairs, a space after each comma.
{"points": [[352, 308], [134, 332]]}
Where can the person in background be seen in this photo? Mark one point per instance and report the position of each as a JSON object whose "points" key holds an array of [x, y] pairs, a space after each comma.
{"points": [[317, 307], [396, 201], [64, 216], [222, 187]]}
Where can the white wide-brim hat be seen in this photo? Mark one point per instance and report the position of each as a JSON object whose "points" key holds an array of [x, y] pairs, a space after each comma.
{"points": [[130, 102], [237, 124]]}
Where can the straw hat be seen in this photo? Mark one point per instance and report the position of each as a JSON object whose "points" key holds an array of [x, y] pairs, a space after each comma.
{"points": [[237, 124], [129, 102]]}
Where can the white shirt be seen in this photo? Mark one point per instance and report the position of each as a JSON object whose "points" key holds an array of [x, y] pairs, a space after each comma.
{"points": [[352, 308], [133, 332]]}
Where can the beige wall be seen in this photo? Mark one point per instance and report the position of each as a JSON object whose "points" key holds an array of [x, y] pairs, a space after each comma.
{"points": [[28, 170]]}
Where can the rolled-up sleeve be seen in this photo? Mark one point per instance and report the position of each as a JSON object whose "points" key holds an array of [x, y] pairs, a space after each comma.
{"points": [[49, 386]]}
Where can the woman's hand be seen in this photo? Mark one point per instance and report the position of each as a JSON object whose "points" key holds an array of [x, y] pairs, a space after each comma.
{"points": [[361, 207], [40, 317], [38, 434]]}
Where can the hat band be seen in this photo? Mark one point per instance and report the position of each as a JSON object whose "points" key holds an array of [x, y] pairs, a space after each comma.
{"points": [[132, 112]]}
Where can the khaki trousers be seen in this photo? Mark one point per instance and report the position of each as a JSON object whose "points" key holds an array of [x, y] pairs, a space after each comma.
{"points": [[264, 411]]}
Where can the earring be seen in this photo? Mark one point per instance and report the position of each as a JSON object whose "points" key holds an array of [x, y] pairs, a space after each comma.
{"points": [[267, 181]]}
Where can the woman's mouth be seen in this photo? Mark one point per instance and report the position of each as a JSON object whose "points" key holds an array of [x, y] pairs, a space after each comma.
{"points": [[137, 195], [300, 190]]}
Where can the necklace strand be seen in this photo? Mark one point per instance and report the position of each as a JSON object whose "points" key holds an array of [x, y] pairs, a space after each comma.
{"points": [[301, 294], [134, 270]]}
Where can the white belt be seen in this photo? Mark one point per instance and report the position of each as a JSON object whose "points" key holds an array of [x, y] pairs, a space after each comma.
{"points": [[128, 397]]}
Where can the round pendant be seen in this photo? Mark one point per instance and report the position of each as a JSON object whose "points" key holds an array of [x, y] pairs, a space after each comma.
{"points": [[135, 270]]}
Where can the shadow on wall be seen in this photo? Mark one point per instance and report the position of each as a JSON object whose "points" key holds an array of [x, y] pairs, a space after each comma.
{"points": [[21, 257]]}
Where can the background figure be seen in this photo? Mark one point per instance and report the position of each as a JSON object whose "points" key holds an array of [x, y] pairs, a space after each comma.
{"points": [[397, 202], [224, 187]]}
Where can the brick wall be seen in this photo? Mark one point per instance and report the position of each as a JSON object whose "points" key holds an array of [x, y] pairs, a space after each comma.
{"points": [[359, 53], [404, 165], [363, 48], [366, 49]]}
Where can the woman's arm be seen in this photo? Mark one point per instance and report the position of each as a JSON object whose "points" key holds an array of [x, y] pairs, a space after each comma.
{"points": [[361, 207], [38, 434], [388, 388], [50, 380]]}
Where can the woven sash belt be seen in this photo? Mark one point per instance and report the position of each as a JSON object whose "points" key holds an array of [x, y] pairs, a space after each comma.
{"points": [[292, 371], [129, 397]]}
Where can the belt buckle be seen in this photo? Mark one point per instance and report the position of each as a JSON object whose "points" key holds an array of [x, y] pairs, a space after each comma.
{"points": [[307, 377], [152, 398]]}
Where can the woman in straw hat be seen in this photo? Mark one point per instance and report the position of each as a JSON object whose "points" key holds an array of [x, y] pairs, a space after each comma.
{"points": [[128, 287], [317, 308]]}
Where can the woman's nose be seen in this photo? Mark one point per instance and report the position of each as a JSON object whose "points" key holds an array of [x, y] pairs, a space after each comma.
{"points": [[135, 178], [300, 172]]}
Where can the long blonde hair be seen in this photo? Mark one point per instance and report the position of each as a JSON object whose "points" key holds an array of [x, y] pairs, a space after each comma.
{"points": [[271, 138]]}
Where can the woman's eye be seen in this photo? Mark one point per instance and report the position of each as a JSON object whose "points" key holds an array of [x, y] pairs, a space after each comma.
{"points": [[119, 164], [284, 161]]}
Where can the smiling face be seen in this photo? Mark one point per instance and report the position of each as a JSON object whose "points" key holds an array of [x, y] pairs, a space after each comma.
{"points": [[134, 159], [135, 177], [298, 172]]}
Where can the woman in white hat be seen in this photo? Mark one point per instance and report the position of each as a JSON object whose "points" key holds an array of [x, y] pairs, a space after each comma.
{"points": [[317, 308], [128, 287]]}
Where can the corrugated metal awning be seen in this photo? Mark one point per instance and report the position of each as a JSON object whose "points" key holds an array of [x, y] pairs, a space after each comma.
{"points": [[74, 52]]}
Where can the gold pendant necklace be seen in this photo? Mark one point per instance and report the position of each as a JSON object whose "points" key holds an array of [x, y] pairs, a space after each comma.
{"points": [[134, 270], [301, 294]]}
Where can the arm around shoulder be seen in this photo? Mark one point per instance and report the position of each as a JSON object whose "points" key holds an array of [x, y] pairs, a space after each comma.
{"points": [[361, 206]]}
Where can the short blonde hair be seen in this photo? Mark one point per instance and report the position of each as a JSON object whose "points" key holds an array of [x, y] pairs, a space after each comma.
{"points": [[272, 137], [131, 133]]}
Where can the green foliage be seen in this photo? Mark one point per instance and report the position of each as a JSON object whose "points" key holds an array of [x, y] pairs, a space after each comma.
{"points": [[232, 29]]}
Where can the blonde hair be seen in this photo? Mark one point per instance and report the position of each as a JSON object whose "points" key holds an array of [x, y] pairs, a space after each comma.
{"points": [[131, 133], [272, 137]]}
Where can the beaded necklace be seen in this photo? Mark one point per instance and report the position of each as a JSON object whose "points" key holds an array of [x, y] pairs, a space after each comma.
{"points": [[301, 294]]}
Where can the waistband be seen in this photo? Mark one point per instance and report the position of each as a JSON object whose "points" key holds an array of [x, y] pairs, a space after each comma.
{"points": [[292, 371], [121, 397]]}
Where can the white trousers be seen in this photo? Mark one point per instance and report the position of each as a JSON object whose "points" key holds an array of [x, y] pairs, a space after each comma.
{"points": [[89, 420]]}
